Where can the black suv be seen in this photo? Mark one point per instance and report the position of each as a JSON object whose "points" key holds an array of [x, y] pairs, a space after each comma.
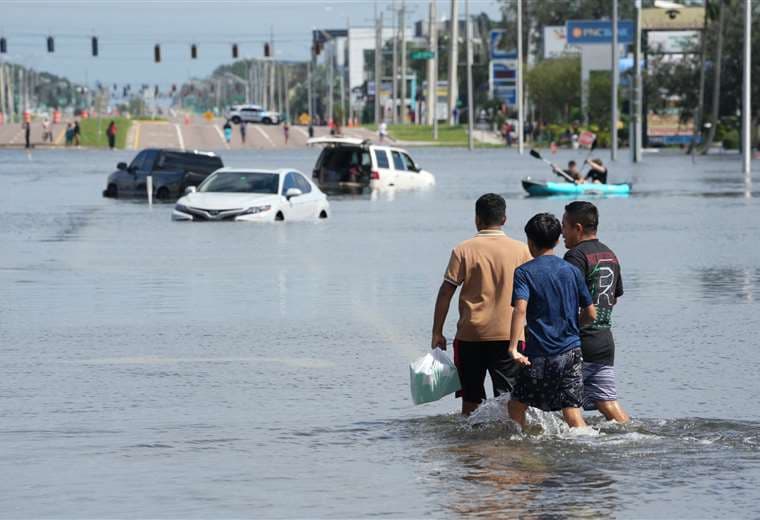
{"points": [[172, 172]]}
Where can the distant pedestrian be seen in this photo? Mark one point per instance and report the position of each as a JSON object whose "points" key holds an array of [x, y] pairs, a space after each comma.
{"points": [[111, 135], [77, 133], [242, 131], [27, 134], [286, 131], [311, 130], [227, 131], [382, 131], [47, 134], [69, 134]]}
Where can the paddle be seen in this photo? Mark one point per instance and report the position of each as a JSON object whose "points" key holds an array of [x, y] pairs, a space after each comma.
{"points": [[591, 149], [555, 168]]}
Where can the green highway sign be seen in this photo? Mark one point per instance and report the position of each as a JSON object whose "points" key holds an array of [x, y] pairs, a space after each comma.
{"points": [[422, 55]]}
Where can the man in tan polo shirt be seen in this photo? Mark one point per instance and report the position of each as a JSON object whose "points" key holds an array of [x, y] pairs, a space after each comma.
{"points": [[484, 267]]}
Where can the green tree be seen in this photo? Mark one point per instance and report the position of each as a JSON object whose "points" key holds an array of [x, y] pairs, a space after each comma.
{"points": [[554, 87]]}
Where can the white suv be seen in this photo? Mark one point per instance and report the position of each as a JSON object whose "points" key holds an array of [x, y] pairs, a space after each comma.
{"points": [[252, 114], [353, 165]]}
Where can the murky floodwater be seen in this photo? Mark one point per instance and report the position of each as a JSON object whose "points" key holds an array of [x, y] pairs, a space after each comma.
{"points": [[150, 368]]}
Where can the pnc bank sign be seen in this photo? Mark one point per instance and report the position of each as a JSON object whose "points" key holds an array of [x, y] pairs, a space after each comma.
{"points": [[581, 32]]}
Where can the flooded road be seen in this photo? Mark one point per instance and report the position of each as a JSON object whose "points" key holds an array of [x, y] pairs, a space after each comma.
{"points": [[165, 369]]}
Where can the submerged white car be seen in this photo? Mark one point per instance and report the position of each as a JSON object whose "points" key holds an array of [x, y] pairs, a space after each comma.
{"points": [[253, 196], [355, 165]]}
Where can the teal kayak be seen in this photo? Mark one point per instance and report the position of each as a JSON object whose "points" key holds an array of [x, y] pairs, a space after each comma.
{"points": [[546, 188]]}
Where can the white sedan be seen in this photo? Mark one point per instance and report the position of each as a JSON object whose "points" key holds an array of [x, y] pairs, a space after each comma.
{"points": [[253, 196]]}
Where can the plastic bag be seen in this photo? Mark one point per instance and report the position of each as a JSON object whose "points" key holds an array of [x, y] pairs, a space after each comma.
{"points": [[433, 376]]}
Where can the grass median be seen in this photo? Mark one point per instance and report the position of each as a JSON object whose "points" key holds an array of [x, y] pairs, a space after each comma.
{"points": [[448, 135], [93, 131]]}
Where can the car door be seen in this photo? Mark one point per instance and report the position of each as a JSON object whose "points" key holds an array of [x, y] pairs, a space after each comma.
{"points": [[383, 168], [403, 179], [311, 199], [248, 114], [294, 208], [126, 182], [146, 169], [412, 170]]}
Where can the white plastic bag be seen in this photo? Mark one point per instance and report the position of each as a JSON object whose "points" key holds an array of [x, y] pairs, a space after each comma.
{"points": [[433, 376]]}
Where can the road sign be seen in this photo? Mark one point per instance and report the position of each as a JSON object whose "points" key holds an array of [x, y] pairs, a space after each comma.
{"points": [[422, 55], [499, 46], [503, 80], [593, 31]]}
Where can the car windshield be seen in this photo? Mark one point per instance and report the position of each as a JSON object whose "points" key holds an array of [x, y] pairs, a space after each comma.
{"points": [[241, 182]]}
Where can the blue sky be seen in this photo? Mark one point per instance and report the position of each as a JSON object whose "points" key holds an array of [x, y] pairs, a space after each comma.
{"points": [[128, 30]]}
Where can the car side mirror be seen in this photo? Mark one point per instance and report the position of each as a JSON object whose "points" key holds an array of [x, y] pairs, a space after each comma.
{"points": [[121, 166], [190, 189], [293, 192]]}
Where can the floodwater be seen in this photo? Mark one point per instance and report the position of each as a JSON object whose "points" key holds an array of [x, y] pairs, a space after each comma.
{"points": [[150, 368]]}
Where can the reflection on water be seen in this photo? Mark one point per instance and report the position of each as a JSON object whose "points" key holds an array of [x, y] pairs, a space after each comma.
{"points": [[737, 285]]}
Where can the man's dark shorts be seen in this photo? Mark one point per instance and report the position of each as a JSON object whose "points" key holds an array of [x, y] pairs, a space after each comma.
{"points": [[552, 383], [474, 358]]}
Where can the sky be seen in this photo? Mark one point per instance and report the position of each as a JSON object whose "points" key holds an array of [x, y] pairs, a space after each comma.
{"points": [[127, 30]]}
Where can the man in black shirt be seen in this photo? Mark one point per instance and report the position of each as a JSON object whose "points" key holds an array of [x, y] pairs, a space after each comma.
{"points": [[598, 172], [601, 269]]}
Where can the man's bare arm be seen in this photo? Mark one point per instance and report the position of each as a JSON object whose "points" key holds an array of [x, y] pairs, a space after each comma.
{"points": [[442, 302], [516, 331], [588, 315]]}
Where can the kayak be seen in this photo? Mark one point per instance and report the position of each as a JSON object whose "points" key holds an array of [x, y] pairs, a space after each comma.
{"points": [[545, 188]]}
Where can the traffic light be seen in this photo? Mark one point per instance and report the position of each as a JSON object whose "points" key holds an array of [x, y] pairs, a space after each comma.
{"points": [[157, 54], [3, 46], [193, 51], [234, 51], [50, 44], [267, 50], [155, 91], [317, 48], [94, 45]]}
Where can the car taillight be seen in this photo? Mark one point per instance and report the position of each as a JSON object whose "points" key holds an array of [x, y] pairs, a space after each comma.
{"points": [[375, 176]]}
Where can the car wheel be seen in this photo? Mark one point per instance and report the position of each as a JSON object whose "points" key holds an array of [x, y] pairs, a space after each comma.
{"points": [[112, 191], [235, 120], [279, 217], [162, 193], [323, 214], [266, 121]]}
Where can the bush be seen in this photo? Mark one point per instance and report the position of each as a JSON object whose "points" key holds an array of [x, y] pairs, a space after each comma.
{"points": [[731, 140]]}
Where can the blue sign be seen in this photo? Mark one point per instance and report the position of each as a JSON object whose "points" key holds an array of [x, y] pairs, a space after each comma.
{"points": [[504, 81], [593, 31], [496, 40]]}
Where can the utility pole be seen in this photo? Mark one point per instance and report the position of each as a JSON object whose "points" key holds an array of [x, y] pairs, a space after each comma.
{"points": [[637, 94], [520, 82], [453, 59], [403, 61], [330, 81], [746, 94], [431, 65], [394, 72], [378, 66], [468, 50], [613, 128], [308, 82]]}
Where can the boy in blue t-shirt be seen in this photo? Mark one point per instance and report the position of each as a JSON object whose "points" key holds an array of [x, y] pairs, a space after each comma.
{"points": [[548, 291]]}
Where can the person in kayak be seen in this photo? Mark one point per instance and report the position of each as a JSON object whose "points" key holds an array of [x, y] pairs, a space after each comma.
{"points": [[571, 172], [598, 173]]}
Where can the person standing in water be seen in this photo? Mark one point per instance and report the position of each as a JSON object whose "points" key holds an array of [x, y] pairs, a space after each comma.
{"points": [[547, 294], [601, 270], [286, 131], [242, 131], [483, 268]]}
